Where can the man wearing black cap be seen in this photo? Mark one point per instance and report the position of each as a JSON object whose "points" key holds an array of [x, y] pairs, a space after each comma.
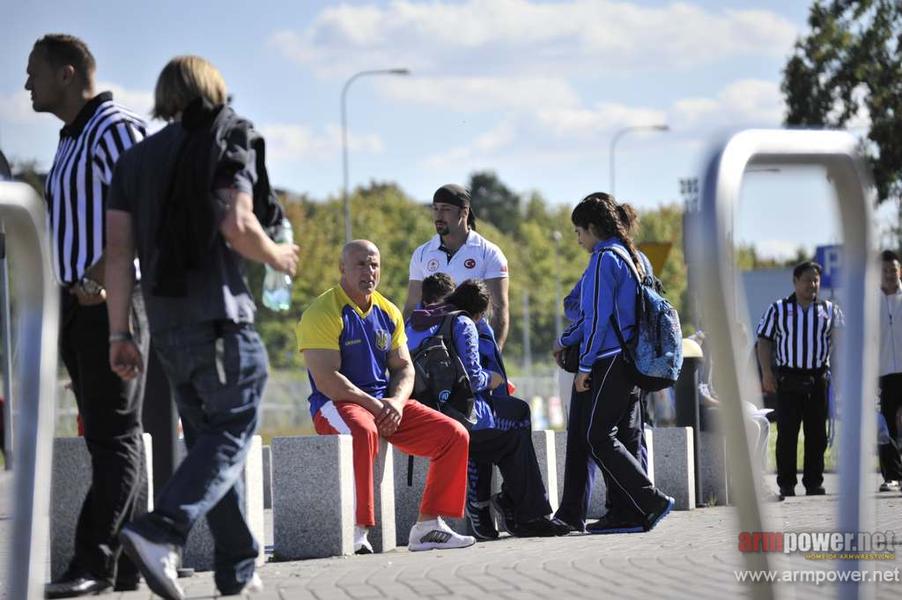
{"points": [[461, 253]]}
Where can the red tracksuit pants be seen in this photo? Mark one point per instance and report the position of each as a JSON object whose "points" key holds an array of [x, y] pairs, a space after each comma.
{"points": [[423, 432]]}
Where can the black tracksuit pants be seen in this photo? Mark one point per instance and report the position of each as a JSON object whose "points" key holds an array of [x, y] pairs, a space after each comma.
{"points": [[110, 410], [580, 469], [630, 490], [513, 452]]}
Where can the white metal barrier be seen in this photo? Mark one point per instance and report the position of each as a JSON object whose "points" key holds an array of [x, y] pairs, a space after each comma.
{"points": [[713, 255], [37, 314]]}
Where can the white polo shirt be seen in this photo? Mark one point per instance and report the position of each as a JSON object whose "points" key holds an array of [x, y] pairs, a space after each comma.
{"points": [[478, 258]]}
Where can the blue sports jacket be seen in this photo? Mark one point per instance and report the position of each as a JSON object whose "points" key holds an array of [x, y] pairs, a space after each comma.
{"points": [[607, 287]]}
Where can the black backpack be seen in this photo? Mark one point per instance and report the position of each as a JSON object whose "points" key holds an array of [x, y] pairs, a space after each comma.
{"points": [[441, 380]]}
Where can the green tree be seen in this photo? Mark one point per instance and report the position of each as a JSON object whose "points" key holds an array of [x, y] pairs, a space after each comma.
{"points": [[849, 61], [494, 202]]}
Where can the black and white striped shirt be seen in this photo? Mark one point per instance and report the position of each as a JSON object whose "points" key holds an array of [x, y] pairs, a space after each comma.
{"points": [[77, 184], [801, 337]]}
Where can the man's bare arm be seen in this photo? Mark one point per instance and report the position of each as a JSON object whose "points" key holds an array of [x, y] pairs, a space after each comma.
{"points": [[498, 290], [765, 352], [414, 295], [324, 365], [401, 374], [119, 267], [245, 235]]}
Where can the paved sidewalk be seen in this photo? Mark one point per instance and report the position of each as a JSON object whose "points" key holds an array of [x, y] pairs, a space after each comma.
{"points": [[690, 555]]}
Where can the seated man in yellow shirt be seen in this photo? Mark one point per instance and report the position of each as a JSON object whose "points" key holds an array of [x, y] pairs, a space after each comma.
{"points": [[360, 370]]}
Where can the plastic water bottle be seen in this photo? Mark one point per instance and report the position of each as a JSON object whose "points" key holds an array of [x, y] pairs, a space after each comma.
{"points": [[277, 285]]}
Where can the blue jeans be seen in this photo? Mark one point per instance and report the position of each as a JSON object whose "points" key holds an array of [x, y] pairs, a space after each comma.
{"points": [[217, 371]]}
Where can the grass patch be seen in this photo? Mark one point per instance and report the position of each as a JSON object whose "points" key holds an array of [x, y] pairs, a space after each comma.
{"points": [[830, 456]]}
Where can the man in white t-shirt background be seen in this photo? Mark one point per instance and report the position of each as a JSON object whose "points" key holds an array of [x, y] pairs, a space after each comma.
{"points": [[460, 252]]}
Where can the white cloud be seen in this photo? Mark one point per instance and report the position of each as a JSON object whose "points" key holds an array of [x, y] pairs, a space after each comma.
{"points": [[291, 141], [569, 128], [139, 102], [15, 107], [743, 102], [583, 123], [479, 94], [484, 145], [776, 249], [516, 36]]}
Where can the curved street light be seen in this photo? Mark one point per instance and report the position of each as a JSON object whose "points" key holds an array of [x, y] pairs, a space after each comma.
{"points": [[344, 138], [620, 133]]}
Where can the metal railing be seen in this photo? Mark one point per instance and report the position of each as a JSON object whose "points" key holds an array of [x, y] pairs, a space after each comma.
{"points": [[37, 317], [712, 254]]}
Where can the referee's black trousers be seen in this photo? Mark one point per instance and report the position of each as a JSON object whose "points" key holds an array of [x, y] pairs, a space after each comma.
{"points": [[630, 490], [807, 409], [890, 401], [110, 411]]}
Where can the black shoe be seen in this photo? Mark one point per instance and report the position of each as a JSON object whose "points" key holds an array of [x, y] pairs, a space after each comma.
{"points": [[607, 525], [787, 492], [655, 516], [77, 586], [479, 515], [816, 491], [541, 527], [505, 510], [581, 528], [127, 585]]}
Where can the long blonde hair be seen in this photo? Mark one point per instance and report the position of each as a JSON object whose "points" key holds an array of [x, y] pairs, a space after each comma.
{"points": [[184, 79]]}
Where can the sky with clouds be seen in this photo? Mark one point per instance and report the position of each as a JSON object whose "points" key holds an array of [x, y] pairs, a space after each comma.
{"points": [[532, 89]]}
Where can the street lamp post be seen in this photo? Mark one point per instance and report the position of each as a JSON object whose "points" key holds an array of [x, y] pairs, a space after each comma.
{"points": [[346, 201], [620, 133], [558, 328]]}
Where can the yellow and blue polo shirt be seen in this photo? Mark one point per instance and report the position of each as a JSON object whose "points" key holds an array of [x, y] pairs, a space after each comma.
{"points": [[365, 339]]}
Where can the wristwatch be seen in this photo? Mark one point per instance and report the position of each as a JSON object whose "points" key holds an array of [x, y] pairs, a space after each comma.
{"points": [[89, 287]]}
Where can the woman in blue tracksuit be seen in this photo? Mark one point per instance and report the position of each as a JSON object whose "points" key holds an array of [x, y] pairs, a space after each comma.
{"points": [[579, 467], [522, 502], [608, 291]]}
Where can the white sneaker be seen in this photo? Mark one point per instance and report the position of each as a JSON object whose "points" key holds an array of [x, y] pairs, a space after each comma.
{"points": [[254, 586], [157, 562], [436, 535], [361, 544], [889, 486]]}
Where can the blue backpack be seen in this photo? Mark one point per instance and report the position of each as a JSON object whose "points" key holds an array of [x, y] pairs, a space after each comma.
{"points": [[655, 354]]}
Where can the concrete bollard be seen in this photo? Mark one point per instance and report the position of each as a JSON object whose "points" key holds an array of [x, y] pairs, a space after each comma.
{"points": [[545, 445], [675, 472], [650, 447], [407, 498], [68, 487], [712, 469], [313, 496], [560, 456], [267, 477], [198, 553], [383, 536]]}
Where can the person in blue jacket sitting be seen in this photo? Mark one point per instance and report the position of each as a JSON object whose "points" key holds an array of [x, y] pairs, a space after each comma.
{"points": [[522, 502]]}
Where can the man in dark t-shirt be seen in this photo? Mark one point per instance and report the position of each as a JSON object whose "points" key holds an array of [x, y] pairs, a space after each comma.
{"points": [[191, 228]]}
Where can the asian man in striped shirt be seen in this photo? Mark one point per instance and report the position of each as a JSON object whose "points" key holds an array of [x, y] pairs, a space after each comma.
{"points": [[797, 333]]}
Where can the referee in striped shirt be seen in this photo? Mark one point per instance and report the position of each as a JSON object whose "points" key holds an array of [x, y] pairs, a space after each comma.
{"points": [[797, 334], [97, 131]]}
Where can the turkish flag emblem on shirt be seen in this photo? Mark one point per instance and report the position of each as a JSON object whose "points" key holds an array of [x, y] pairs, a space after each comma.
{"points": [[469, 263]]}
